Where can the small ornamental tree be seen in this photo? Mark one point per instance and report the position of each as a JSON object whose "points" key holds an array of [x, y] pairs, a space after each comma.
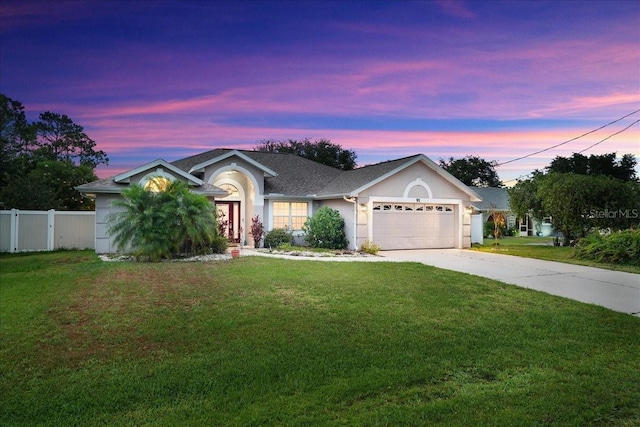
{"points": [[325, 229], [499, 224], [222, 223], [256, 231]]}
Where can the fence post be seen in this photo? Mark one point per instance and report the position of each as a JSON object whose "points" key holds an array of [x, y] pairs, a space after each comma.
{"points": [[13, 239], [51, 235]]}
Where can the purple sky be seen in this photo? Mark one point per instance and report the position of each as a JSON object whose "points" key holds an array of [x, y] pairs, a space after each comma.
{"points": [[500, 80]]}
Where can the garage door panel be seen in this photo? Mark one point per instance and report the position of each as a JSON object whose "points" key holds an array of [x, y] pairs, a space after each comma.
{"points": [[414, 226]]}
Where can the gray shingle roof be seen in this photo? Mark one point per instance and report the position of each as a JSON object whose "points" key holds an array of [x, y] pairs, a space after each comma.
{"points": [[188, 162], [106, 185], [349, 181], [295, 175], [492, 198]]}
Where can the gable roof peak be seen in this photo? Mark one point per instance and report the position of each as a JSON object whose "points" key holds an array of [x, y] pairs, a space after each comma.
{"points": [[125, 177]]}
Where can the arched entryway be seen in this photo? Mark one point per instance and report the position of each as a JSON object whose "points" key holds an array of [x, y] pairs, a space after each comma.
{"points": [[239, 205]]}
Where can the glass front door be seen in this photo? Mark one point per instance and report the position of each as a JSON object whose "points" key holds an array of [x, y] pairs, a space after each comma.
{"points": [[229, 220]]}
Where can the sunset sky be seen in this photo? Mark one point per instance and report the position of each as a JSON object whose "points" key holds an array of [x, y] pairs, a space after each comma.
{"points": [[387, 79]]}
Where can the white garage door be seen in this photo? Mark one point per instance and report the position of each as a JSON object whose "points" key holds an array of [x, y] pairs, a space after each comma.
{"points": [[413, 226]]}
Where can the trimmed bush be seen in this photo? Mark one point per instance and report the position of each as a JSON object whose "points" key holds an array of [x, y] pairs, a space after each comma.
{"points": [[219, 245], [325, 229], [620, 247], [277, 237]]}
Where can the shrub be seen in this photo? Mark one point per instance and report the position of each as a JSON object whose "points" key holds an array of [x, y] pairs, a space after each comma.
{"points": [[325, 229], [219, 245], [286, 246], [489, 230], [278, 236], [621, 247], [368, 247], [513, 231]]}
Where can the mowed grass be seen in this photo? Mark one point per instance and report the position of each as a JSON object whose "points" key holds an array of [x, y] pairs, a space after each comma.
{"points": [[261, 341], [542, 248]]}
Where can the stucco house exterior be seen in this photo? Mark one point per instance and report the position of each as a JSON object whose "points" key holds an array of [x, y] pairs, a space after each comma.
{"points": [[406, 203]]}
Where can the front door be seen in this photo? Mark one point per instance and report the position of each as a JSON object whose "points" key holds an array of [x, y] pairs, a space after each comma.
{"points": [[229, 220]]}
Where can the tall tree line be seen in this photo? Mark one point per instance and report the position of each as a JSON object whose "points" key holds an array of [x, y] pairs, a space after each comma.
{"points": [[42, 162], [582, 194]]}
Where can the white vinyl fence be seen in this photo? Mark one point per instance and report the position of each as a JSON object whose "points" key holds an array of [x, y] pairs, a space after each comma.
{"points": [[23, 231], [477, 229]]}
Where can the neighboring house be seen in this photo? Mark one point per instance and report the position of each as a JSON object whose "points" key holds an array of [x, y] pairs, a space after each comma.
{"points": [[494, 199], [407, 203], [497, 199]]}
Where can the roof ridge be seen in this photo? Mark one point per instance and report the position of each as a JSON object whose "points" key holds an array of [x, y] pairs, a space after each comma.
{"points": [[388, 161], [198, 154]]}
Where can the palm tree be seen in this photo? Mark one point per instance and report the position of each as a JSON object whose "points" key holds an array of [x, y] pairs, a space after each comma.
{"points": [[140, 223], [162, 224], [196, 224]]}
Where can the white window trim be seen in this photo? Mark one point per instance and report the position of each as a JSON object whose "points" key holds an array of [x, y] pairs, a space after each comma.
{"points": [[289, 201]]}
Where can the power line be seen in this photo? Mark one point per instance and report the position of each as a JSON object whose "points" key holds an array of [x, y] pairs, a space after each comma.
{"points": [[613, 134], [573, 139], [589, 147]]}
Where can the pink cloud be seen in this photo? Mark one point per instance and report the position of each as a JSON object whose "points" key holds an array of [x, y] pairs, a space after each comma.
{"points": [[577, 104], [135, 142]]}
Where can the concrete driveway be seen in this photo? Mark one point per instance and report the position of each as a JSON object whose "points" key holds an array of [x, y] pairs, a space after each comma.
{"points": [[611, 289]]}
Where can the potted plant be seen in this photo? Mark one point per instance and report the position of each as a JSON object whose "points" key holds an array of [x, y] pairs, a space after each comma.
{"points": [[256, 231], [235, 253]]}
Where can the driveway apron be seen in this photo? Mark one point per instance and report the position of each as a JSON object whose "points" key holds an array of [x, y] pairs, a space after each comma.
{"points": [[615, 290]]}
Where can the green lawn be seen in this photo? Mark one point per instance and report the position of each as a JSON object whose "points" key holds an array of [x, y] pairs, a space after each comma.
{"points": [[542, 248], [261, 341]]}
